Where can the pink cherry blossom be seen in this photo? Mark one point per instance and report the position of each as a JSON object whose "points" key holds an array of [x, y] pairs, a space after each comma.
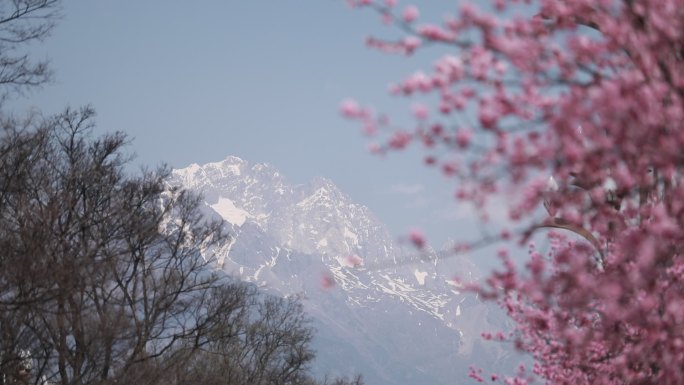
{"points": [[605, 304], [417, 238], [350, 108], [399, 140], [354, 261], [410, 44], [463, 137], [327, 281], [420, 111], [410, 13], [435, 33]]}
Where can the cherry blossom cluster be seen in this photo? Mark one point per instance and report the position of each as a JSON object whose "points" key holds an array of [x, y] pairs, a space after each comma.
{"points": [[578, 107]]}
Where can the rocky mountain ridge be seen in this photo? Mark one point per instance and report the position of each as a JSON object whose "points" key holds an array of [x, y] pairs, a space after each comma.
{"points": [[394, 322]]}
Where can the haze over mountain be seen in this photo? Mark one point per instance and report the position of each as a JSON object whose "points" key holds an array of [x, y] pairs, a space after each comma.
{"points": [[394, 322]]}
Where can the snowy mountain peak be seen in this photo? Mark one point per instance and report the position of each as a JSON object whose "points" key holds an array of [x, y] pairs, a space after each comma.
{"points": [[312, 218], [324, 183], [231, 164], [233, 160], [286, 237]]}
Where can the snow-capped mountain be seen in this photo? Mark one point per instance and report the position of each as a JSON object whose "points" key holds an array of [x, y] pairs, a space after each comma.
{"points": [[394, 322]]}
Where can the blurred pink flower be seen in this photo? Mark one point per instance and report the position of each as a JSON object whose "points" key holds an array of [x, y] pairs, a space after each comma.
{"points": [[327, 281], [417, 238], [410, 13]]}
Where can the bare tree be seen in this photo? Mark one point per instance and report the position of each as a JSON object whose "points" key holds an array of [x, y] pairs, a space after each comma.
{"points": [[266, 344], [101, 272], [21, 23], [356, 380], [103, 280]]}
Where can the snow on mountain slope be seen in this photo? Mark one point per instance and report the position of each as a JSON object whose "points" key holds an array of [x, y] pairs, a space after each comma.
{"points": [[396, 324]]}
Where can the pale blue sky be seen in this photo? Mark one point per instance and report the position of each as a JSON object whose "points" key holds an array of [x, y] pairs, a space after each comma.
{"points": [[193, 82]]}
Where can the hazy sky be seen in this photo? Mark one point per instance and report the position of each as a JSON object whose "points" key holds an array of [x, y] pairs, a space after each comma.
{"points": [[194, 82]]}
